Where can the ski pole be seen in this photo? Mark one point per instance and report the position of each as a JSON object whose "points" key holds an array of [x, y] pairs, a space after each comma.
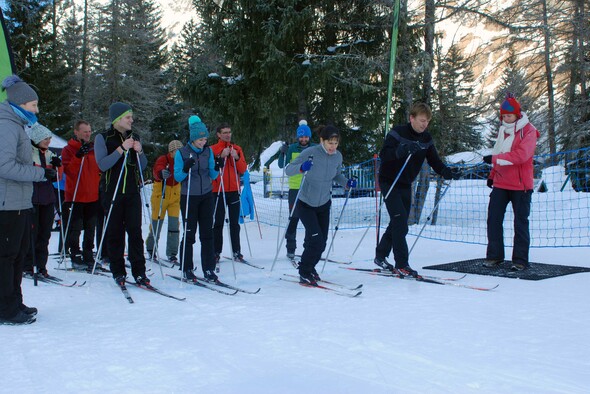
{"points": [[336, 228], [71, 209], [61, 224], [157, 234], [256, 213], [226, 217], [241, 208], [106, 221], [188, 188], [290, 215], [381, 204], [281, 208], [429, 216]]}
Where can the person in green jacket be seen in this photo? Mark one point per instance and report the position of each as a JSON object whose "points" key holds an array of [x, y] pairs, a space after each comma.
{"points": [[288, 154]]}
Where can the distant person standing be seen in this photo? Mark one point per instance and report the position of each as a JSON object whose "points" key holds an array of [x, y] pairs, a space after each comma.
{"points": [[405, 148], [17, 175], [288, 154], [43, 200], [195, 169], [81, 195], [226, 190], [120, 156], [165, 200], [322, 165], [511, 180]]}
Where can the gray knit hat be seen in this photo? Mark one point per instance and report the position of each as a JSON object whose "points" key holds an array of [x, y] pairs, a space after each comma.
{"points": [[39, 132], [17, 91]]}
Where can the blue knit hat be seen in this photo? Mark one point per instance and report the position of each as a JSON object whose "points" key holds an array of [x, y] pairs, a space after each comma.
{"points": [[118, 110], [18, 91], [303, 130], [197, 128]]}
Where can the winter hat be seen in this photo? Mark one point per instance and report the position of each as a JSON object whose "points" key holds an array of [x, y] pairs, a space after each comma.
{"points": [[39, 132], [18, 91], [197, 128], [118, 110], [510, 106], [173, 145], [303, 130]]}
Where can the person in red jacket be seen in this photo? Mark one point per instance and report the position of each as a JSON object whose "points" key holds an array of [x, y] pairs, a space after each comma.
{"points": [[81, 195], [511, 180], [234, 166], [165, 200]]}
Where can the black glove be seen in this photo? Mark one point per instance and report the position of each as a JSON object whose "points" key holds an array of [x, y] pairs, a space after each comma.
{"points": [[83, 151], [407, 148], [490, 183], [50, 174], [165, 174], [55, 161], [219, 163], [487, 159], [451, 173], [284, 148], [188, 164]]}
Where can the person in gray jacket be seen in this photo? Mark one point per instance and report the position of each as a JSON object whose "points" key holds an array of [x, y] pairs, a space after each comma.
{"points": [[17, 175], [321, 165]]}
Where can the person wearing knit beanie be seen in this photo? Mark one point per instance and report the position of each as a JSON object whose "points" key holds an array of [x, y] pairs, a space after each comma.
{"points": [[195, 168], [287, 154], [39, 132], [511, 179], [18, 92], [197, 128], [17, 174], [120, 156], [165, 200], [510, 106], [303, 130], [118, 110], [174, 145]]}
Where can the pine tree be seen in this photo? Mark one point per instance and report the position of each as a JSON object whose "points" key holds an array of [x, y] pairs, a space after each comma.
{"points": [[263, 67], [128, 65], [454, 123]]}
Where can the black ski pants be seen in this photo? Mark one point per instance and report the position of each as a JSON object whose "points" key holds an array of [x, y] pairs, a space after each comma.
{"points": [[316, 221], [232, 200], [83, 218], [291, 234], [521, 206], [126, 218], [200, 214], [14, 244], [398, 205], [42, 222]]}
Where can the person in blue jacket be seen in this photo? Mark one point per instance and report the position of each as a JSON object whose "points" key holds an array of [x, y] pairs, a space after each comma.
{"points": [[195, 162]]}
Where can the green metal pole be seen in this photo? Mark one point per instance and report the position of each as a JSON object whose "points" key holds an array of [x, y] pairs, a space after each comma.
{"points": [[393, 52]]}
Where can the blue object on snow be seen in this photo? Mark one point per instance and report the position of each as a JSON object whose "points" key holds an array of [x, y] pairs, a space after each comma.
{"points": [[247, 200]]}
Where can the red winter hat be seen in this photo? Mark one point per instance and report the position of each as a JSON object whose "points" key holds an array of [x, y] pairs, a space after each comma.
{"points": [[510, 106]]}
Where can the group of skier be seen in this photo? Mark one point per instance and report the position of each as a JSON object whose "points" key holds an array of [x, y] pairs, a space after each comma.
{"points": [[105, 179]]}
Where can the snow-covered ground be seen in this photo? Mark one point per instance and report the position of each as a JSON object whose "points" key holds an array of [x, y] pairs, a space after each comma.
{"points": [[397, 337]]}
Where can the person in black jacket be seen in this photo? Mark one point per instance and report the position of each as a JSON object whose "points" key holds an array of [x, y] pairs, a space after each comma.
{"points": [[119, 150], [405, 148]]}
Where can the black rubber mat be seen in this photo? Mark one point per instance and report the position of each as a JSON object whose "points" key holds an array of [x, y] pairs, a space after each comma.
{"points": [[536, 271]]}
